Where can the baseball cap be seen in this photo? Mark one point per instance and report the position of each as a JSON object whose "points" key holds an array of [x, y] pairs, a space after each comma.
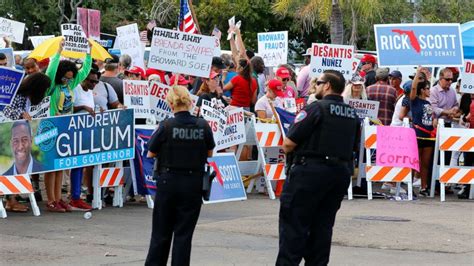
{"points": [[407, 86], [276, 86], [114, 60], [309, 51], [181, 80], [396, 74], [136, 70], [357, 79], [368, 58], [422, 75], [381, 73], [218, 62], [282, 72]]}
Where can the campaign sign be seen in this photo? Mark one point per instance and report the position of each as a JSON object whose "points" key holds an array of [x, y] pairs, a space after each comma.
{"points": [[227, 185], [180, 52], [136, 96], [467, 84], [8, 52], [365, 108], [40, 110], [397, 147], [158, 105], [12, 29], [128, 41], [37, 40], [142, 165], [332, 56], [75, 39], [419, 44], [65, 142], [234, 130], [10, 80], [273, 47]]}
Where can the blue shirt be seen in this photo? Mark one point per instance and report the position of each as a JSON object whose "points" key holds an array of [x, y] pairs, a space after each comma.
{"points": [[422, 114]]}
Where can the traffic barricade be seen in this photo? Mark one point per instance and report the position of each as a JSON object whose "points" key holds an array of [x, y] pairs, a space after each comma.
{"points": [[17, 184]]}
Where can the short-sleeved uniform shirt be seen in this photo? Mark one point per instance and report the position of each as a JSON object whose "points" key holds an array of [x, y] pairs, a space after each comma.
{"points": [[159, 137]]}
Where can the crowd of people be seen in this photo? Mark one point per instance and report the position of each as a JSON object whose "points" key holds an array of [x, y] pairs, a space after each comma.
{"points": [[239, 79]]}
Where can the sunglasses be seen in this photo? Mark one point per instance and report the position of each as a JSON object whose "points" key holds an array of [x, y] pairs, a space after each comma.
{"points": [[320, 82], [286, 79], [448, 79], [64, 79], [93, 81]]}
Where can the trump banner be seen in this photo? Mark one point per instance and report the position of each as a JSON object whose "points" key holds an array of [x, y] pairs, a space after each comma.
{"points": [[332, 56], [65, 142], [180, 52], [227, 185], [10, 80], [142, 165], [419, 44], [75, 39], [273, 47]]}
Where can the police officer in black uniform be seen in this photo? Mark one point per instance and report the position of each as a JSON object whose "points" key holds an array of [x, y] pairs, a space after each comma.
{"points": [[321, 141], [181, 145]]}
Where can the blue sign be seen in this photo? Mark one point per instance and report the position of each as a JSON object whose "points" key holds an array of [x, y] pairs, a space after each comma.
{"points": [[227, 185], [143, 166], [10, 80], [419, 44], [116, 52]]}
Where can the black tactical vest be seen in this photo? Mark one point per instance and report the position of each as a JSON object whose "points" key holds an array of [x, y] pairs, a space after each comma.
{"points": [[185, 146], [335, 133]]}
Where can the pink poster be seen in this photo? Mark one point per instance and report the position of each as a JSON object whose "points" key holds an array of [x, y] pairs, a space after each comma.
{"points": [[397, 146], [82, 19], [94, 24]]}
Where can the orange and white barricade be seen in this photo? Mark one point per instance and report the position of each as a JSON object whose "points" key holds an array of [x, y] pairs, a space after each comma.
{"points": [[376, 173], [454, 139], [108, 177], [17, 184]]}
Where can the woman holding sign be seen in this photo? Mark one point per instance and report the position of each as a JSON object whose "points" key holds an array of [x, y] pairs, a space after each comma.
{"points": [[424, 122], [181, 145], [65, 77]]}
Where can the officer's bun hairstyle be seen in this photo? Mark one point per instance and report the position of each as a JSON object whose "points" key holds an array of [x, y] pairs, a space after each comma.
{"points": [[336, 79], [178, 96]]}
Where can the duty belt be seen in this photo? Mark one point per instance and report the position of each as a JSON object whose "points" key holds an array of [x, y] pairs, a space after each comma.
{"points": [[304, 160], [180, 171]]}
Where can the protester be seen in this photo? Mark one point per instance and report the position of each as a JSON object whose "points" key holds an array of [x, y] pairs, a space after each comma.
{"points": [[283, 75], [424, 122], [125, 62], [31, 66], [65, 77], [402, 107], [110, 76], [18, 62], [134, 73], [274, 91], [385, 94], [228, 73], [355, 89], [312, 91], [467, 109], [258, 66], [158, 75], [304, 78], [395, 78], [292, 81], [368, 67], [243, 86], [210, 89], [3, 60]]}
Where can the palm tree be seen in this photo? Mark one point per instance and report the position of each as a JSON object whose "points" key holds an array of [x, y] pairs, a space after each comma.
{"points": [[330, 12]]}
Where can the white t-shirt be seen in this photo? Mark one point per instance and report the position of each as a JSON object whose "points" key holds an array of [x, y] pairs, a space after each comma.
{"points": [[82, 97], [263, 104], [396, 122]]}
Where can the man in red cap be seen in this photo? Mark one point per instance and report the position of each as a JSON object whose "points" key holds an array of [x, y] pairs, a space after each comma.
{"points": [[368, 62], [272, 95], [283, 75], [135, 73]]}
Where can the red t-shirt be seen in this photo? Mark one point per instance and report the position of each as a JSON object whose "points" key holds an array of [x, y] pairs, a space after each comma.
{"points": [[242, 92]]}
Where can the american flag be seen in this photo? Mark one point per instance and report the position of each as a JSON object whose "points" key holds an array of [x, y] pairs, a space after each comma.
{"points": [[186, 20]]}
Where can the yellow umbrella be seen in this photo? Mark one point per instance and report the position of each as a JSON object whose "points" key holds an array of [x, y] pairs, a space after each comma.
{"points": [[49, 47]]}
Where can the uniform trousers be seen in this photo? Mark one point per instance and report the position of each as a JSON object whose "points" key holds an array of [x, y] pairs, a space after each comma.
{"points": [[177, 206], [309, 202]]}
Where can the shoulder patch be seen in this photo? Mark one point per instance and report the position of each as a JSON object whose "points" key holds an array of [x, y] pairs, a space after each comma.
{"points": [[302, 115]]}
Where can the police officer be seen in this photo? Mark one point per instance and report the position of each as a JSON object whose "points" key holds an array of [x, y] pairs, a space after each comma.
{"points": [[181, 145], [322, 140]]}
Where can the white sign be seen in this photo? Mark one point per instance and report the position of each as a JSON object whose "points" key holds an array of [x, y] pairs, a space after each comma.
{"points": [[467, 82], [40, 110], [365, 108], [180, 52], [128, 41], [37, 40], [273, 47], [135, 95], [158, 105], [332, 56], [12, 29], [75, 39]]}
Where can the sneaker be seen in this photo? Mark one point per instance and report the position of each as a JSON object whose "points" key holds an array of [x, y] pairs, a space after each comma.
{"points": [[54, 207], [65, 206], [393, 190], [424, 192], [79, 205]]}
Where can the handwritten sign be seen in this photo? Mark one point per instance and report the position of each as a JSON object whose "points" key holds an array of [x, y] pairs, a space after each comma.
{"points": [[40, 110], [75, 39], [37, 40], [136, 96], [332, 56], [467, 84], [12, 29], [128, 41], [10, 80], [419, 44], [365, 108], [397, 147], [181, 52], [273, 47]]}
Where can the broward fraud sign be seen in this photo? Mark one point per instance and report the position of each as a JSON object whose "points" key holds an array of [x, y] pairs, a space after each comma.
{"points": [[419, 44], [180, 52]]}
